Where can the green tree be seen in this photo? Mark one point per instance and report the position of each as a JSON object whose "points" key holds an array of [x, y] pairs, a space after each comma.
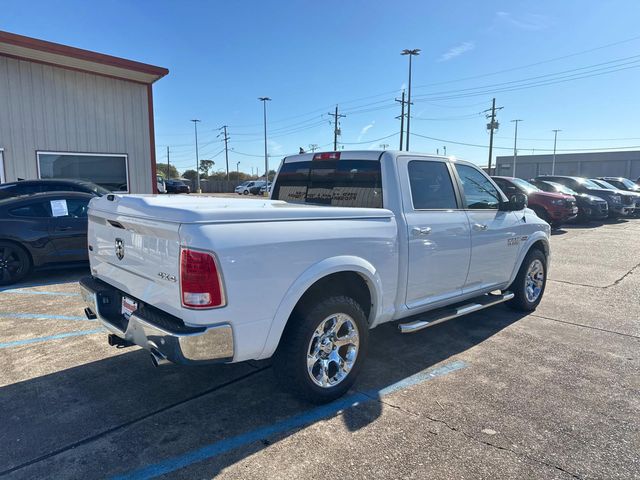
{"points": [[161, 168], [205, 166], [190, 174]]}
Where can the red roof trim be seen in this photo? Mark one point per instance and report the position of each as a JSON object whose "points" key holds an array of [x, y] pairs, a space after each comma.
{"points": [[87, 55]]}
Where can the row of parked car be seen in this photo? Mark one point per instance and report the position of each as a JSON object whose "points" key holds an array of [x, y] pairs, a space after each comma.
{"points": [[560, 199]]}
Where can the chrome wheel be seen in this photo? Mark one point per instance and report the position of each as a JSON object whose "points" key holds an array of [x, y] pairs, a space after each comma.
{"points": [[534, 281], [333, 350]]}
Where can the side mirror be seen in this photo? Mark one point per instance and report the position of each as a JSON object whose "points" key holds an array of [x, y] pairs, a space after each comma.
{"points": [[516, 202]]}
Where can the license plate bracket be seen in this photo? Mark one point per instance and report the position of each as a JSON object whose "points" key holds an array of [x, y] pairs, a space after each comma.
{"points": [[128, 307]]}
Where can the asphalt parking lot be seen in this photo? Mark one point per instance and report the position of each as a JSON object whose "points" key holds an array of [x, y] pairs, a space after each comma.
{"points": [[553, 394]]}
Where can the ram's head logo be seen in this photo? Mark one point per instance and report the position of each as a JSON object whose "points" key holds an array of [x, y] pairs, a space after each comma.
{"points": [[119, 248]]}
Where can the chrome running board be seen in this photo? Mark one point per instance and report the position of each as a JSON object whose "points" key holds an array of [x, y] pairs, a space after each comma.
{"points": [[448, 313]]}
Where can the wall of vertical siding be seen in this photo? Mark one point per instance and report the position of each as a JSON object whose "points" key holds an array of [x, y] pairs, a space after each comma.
{"points": [[44, 107]]}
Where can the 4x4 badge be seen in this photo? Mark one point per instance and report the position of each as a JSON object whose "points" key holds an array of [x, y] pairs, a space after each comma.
{"points": [[119, 248]]}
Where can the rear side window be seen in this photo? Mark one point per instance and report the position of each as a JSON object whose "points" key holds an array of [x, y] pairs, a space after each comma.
{"points": [[338, 183], [479, 192], [431, 186], [31, 210]]}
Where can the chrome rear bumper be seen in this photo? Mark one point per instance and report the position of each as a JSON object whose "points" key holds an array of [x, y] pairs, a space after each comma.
{"points": [[162, 334]]}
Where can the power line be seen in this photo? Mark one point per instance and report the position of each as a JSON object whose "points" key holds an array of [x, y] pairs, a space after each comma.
{"points": [[522, 67], [595, 149], [372, 140], [474, 77], [524, 86]]}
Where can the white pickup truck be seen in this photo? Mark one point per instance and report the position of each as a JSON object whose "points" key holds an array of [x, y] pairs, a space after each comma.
{"points": [[348, 240]]}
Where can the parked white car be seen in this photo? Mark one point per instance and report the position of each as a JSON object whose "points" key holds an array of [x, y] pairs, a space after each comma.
{"points": [[348, 241], [244, 188]]}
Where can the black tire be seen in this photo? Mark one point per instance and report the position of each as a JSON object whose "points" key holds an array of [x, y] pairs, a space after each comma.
{"points": [[521, 301], [246, 192], [15, 263], [290, 360]]}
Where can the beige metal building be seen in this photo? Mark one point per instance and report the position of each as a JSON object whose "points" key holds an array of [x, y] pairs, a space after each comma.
{"points": [[72, 113], [587, 164]]}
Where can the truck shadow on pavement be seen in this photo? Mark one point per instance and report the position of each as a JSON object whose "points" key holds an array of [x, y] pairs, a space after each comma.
{"points": [[75, 422]]}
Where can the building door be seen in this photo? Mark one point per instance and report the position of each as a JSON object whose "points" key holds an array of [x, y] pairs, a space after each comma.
{"points": [[2, 178]]}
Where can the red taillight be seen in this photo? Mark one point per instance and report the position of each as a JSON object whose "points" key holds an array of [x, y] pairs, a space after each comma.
{"points": [[327, 156], [200, 282]]}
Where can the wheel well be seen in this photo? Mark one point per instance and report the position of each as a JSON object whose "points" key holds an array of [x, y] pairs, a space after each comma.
{"points": [[351, 284], [542, 246]]}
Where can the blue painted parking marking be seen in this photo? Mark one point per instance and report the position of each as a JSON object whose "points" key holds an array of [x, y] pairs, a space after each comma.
{"points": [[42, 316], [217, 448], [38, 292], [59, 336]]}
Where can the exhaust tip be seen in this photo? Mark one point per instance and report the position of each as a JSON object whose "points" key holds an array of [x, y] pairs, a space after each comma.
{"points": [[157, 358]]}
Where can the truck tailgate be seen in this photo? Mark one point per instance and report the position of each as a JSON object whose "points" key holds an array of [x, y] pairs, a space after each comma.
{"points": [[137, 255]]}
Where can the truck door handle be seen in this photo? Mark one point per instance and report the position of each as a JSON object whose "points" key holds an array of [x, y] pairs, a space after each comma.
{"points": [[480, 227], [421, 230]]}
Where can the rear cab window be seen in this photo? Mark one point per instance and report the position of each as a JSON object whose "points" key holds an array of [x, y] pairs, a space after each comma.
{"points": [[337, 183]]}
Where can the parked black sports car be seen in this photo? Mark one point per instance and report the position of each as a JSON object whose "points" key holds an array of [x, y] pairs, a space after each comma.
{"points": [[176, 186], [41, 230], [27, 187]]}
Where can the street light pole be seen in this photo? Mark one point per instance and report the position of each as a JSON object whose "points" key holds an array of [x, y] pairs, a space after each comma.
{"points": [[195, 126], [264, 101], [553, 162], [515, 145], [411, 53]]}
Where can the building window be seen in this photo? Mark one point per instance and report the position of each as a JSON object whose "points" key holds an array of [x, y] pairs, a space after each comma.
{"points": [[107, 170]]}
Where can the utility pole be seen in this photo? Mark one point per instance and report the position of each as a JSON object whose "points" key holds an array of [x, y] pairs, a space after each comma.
{"points": [[444, 147], [195, 126], [238, 171], [336, 127], [384, 146], [168, 169], [401, 117], [515, 145], [264, 101], [491, 126], [313, 147], [411, 53], [226, 147], [553, 162]]}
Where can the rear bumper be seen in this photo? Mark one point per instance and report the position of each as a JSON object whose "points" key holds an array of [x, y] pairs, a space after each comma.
{"points": [[155, 330]]}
